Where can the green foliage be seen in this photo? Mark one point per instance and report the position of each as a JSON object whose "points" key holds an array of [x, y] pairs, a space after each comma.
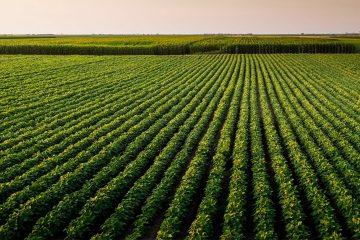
{"points": [[198, 147], [173, 45]]}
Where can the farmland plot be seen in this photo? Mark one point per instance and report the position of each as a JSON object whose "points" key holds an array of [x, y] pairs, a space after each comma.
{"points": [[198, 147]]}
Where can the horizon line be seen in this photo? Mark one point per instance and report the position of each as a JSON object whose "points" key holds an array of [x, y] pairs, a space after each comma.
{"points": [[174, 34]]}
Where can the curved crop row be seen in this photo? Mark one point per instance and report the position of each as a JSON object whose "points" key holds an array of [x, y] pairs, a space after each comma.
{"points": [[118, 109]]}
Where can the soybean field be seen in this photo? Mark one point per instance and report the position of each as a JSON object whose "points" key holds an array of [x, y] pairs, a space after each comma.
{"points": [[217, 146]]}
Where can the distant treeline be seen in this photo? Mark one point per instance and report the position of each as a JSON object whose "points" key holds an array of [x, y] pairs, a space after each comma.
{"points": [[178, 49]]}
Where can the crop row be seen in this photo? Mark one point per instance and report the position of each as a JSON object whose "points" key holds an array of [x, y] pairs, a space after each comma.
{"points": [[198, 147]]}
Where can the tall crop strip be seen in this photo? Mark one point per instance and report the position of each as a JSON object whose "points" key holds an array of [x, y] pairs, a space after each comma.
{"points": [[172, 45], [260, 146]]}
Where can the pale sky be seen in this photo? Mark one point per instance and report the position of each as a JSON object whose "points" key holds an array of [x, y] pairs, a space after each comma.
{"points": [[178, 16]]}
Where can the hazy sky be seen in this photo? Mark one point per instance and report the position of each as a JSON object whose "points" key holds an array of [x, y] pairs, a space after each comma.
{"points": [[179, 16]]}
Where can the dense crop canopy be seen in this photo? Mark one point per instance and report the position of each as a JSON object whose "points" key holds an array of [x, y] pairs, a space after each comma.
{"points": [[174, 45], [201, 147]]}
